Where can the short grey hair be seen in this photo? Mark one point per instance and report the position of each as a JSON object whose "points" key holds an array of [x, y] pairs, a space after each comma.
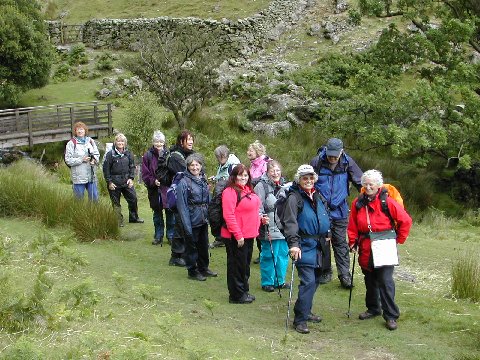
{"points": [[374, 175], [195, 157], [158, 136], [221, 151]]}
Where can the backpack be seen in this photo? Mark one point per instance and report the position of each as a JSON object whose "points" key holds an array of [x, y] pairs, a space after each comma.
{"points": [[215, 211], [282, 197], [162, 173], [387, 190], [172, 192], [74, 141]]}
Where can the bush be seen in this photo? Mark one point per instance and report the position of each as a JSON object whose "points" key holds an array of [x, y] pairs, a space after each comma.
{"points": [[466, 277], [104, 62], [62, 73], [29, 190], [77, 55], [354, 17]]}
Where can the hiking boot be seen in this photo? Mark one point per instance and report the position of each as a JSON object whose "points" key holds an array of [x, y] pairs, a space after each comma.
{"points": [[245, 299], [169, 241], [391, 324], [157, 242], [176, 262], [257, 260], [302, 328], [251, 296], [346, 281], [268, 288], [136, 221], [197, 276], [367, 315], [314, 318], [216, 243], [283, 286], [209, 273], [325, 277]]}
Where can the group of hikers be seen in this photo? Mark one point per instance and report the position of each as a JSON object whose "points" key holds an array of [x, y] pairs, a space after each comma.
{"points": [[301, 220]]}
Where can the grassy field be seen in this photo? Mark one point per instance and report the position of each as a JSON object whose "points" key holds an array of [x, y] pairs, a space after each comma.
{"points": [[132, 305], [77, 12]]}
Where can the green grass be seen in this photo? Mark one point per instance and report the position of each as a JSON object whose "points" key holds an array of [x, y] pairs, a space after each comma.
{"points": [[145, 309], [80, 11]]}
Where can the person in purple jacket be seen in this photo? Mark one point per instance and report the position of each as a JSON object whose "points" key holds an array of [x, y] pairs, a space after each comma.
{"points": [[156, 192]]}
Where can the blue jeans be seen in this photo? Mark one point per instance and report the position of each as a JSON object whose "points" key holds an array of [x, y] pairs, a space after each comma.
{"points": [[92, 191], [160, 226], [309, 281]]}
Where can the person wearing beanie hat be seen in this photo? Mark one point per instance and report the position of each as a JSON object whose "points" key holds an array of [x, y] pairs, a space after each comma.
{"points": [[335, 171], [307, 231], [157, 193]]}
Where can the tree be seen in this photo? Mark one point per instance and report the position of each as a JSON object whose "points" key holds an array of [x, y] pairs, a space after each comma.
{"points": [[25, 52], [180, 66]]}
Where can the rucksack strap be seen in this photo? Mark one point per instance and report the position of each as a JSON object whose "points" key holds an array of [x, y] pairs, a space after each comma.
{"points": [[383, 201]]}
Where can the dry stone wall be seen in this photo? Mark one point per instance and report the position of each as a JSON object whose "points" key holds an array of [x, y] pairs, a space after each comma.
{"points": [[251, 33]]}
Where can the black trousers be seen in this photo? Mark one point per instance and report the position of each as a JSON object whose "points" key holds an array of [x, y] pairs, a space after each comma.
{"points": [[380, 295], [196, 250], [238, 267], [130, 196], [178, 241]]}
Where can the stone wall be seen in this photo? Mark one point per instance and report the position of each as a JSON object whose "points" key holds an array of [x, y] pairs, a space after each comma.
{"points": [[251, 32]]}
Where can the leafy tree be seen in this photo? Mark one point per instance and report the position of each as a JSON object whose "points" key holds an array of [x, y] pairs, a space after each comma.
{"points": [[25, 52], [180, 66]]}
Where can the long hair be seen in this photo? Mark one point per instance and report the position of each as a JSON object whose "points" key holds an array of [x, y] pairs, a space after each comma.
{"points": [[239, 169]]}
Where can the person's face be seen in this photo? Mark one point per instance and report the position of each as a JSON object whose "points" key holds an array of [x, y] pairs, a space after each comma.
{"points": [[307, 181], [187, 144], [159, 144], [371, 187], [274, 173], [120, 144], [195, 168], [80, 132], [222, 160], [242, 178], [334, 159], [251, 153]]}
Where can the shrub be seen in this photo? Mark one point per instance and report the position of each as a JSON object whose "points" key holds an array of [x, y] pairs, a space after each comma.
{"points": [[22, 349], [104, 62], [77, 55], [62, 73], [354, 17], [29, 190], [466, 277]]}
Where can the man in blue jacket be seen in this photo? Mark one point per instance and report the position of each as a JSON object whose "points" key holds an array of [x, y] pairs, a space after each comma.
{"points": [[335, 171]]}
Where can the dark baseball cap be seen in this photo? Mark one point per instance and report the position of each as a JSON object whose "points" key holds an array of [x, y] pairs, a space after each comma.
{"points": [[334, 147]]}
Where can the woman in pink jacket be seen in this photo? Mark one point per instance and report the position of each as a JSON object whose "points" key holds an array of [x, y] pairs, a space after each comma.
{"points": [[240, 206]]}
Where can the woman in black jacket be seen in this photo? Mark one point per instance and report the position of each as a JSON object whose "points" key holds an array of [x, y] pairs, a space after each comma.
{"points": [[119, 172], [192, 204]]}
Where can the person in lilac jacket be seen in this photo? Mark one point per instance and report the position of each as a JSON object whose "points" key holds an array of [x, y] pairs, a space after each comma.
{"points": [[156, 192], [240, 206]]}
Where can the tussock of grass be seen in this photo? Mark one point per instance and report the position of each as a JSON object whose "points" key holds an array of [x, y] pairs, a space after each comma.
{"points": [[28, 190], [466, 277]]}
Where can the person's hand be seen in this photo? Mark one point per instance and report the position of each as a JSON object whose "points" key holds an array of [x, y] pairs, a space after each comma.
{"points": [[129, 183], [86, 158], [264, 219], [112, 186], [353, 248], [157, 182], [295, 253], [211, 178], [240, 242]]}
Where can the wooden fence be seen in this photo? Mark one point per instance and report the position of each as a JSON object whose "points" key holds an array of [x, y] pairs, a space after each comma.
{"points": [[43, 124]]}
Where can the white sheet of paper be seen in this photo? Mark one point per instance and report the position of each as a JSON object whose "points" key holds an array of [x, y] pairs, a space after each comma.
{"points": [[384, 252]]}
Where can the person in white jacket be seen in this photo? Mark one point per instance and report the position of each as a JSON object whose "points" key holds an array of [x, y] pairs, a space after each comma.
{"points": [[82, 156]]}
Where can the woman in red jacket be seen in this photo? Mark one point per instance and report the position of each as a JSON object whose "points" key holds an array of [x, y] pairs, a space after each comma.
{"points": [[240, 206], [380, 295]]}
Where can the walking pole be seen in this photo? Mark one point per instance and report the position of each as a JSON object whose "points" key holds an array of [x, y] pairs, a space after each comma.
{"points": [[273, 259], [290, 297], [351, 287]]}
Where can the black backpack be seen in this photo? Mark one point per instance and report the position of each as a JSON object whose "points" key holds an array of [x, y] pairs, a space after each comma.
{"points": [[215, 210], [162, 173]]}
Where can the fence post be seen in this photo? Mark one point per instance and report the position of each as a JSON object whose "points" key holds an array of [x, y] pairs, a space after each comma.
{"points": [[30, 130], [58, 116], [110, 125], [72, 120], [17, 119], [95, 113]]}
